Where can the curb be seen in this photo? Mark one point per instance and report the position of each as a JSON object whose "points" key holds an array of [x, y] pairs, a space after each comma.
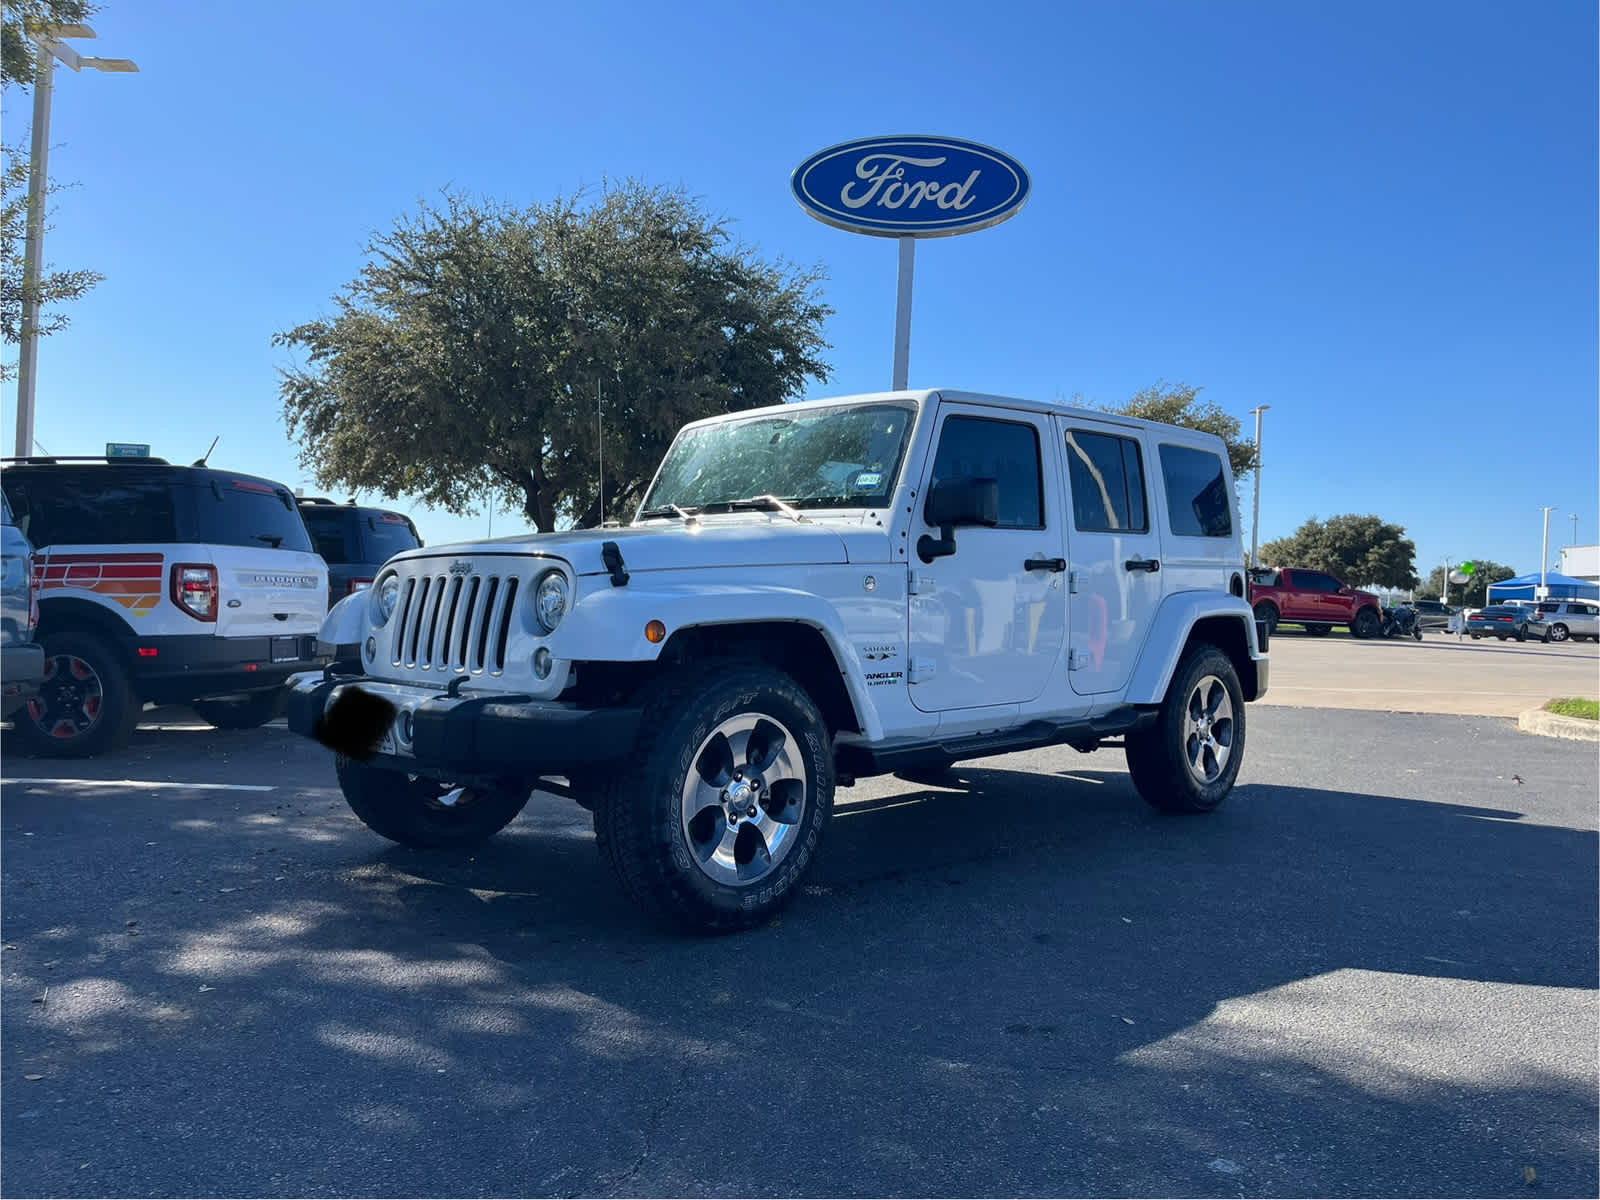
{"points": [[1549, 724]]}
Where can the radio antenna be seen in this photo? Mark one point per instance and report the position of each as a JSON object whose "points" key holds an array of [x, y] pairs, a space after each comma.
{"points": [[201, 461]]}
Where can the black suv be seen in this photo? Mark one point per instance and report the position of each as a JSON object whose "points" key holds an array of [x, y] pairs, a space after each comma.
{"points": [[161, 583], [355, 541]]}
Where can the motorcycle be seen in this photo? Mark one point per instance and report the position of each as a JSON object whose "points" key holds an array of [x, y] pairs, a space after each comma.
{"points": [[1401, 621]]}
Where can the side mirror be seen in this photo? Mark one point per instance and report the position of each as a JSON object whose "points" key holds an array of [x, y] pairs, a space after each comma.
{"points": [[955, 502]]}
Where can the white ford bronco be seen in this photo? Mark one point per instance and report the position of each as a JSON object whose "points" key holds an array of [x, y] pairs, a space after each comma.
{"points": [[809, 594]]}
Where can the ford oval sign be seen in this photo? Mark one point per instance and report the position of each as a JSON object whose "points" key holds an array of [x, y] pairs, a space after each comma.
{"points": [[911, 186]]}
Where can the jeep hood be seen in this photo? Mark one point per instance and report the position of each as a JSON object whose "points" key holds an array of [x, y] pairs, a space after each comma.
{"points": [[668, 546]]}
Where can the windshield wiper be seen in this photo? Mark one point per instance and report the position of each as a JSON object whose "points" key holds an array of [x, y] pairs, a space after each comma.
{"points": [[672, 510], [766, 503], [272, 539]]}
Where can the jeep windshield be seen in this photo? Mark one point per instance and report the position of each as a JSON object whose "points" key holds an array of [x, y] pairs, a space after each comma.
{"points": [[842, 457]]}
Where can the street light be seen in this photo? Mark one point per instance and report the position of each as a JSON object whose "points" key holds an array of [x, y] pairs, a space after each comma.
{"points": [[50, 47], [1544, 555], [1255, 515]]}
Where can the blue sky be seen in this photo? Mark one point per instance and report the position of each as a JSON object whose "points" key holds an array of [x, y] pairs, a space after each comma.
{"points": [[1378, 218]]}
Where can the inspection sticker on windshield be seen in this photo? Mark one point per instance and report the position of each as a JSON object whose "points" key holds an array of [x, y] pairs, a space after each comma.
{"points": [[867, 481]]}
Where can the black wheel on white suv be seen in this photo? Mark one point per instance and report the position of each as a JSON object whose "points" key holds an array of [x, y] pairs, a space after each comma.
{"points": [[246, 712], [1366, 624], [1187, 761], [425, 814], [715, 817], [86, 704]]}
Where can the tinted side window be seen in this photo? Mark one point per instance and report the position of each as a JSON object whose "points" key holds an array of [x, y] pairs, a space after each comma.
{"points": [[330, 529], [1198, 504], [65, 508], [1006, 451], [1107, 477], [246, 512]]}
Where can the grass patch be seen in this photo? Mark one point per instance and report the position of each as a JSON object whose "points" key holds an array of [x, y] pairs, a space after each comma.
{"points": [[1572, 706]]}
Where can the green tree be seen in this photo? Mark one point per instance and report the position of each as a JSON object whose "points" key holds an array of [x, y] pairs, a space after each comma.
{"points": [[465, 356], [22, 17], [1180, 404], [54, 287], [1358, 549], [1473, 593]]}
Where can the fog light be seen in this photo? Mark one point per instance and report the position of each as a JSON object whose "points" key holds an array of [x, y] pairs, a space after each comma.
{"points": [[371, 649], [541, 663], [655, 632]]}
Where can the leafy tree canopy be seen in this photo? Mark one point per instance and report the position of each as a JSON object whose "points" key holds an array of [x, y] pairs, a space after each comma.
{"points": [[1473, 593], [1358, 549], [1180, 404], [464, 357], [23, 17]]}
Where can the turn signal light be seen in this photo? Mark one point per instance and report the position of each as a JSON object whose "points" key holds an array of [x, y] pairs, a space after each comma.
{"points": [[194, 589], [655, 633]]}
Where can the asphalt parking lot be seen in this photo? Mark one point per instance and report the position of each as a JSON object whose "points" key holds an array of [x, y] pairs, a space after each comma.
{"points": [[1373, 972]]}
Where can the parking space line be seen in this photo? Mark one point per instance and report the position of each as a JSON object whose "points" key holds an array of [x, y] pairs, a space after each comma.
{"points": [[146, 784]]}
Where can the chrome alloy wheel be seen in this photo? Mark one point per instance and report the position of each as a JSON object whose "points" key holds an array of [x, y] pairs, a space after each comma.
{"points": [[1208, 729], [69, 699], [743, 799]]}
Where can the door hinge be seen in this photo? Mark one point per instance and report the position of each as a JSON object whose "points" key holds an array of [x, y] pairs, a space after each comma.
{"points": [[1072, 582], [919, 585], [1078, 659], [922, 669]]}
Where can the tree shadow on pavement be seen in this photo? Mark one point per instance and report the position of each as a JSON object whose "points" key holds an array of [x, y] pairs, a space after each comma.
{"points": [[1010, 983]]}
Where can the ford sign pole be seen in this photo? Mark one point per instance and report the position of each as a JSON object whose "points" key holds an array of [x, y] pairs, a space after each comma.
{"points": [[909, 188]]}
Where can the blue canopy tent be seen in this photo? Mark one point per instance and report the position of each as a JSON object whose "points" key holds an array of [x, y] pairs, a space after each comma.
{"points": [[1562, 587]]}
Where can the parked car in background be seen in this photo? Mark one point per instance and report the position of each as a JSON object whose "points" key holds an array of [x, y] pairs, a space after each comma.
{"points": [[164, 584], [355, 541], [1433, 614], [21, 658], [1505, 621], [1570, 619], [1314, 599]]}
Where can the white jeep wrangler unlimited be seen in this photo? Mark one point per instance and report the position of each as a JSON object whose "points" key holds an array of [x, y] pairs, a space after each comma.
{"points": [[809, 594]]}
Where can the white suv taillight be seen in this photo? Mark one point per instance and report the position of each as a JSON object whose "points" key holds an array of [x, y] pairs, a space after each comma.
{"points": [[194, 589], [358, 585]]}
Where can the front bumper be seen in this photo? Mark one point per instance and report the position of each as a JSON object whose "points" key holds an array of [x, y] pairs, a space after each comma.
{"points": [[472, 733], [21, 672]]}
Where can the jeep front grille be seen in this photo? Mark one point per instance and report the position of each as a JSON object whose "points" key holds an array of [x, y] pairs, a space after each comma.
{"points": [[454, 623]]}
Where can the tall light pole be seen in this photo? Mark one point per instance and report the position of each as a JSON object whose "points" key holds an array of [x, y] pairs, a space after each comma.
{"points": [[1544, 555], [1255, 515], [49, 47], [1574, 529]]}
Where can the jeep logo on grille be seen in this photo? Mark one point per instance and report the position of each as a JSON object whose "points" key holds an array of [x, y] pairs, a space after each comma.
{"points": [[461, 567]]}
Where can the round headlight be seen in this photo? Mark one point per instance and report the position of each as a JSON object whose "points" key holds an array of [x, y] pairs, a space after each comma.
{"points": [[384, 598], [550, 600]]}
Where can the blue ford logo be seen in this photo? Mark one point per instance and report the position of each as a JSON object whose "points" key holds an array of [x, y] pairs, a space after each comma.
{"points": [[911, 186]]}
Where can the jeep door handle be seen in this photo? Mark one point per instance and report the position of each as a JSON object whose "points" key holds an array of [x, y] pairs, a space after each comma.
{"points": [[1142, 564], [1045, 564]]}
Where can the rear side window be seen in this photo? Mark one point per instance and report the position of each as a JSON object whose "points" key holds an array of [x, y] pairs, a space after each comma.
{"points": [[386, 534], [1198, 504], [1005, 451], [75, 508], [1107, 477], [246, 512], [330, 530]]}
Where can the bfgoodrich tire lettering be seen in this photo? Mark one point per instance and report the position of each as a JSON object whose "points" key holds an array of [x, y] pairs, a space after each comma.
{"points": [[424, 814], [1187, 761], [713, 820]]}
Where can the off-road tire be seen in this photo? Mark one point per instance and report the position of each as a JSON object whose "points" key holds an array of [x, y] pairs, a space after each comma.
{"points": [[1267, 614], [640, 824], [107, 690], [407, 808], [1365, 624], [1318, 629], [249, 712], [1160, 756]]}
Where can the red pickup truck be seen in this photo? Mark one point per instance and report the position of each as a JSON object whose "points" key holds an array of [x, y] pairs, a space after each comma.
{"points": [[1314, 599]]}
